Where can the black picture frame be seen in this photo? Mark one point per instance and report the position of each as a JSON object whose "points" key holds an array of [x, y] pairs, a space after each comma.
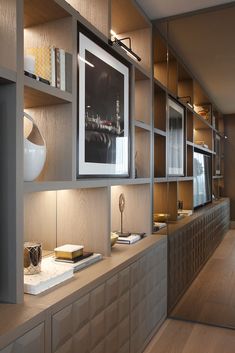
{"points": [[103, 138]]}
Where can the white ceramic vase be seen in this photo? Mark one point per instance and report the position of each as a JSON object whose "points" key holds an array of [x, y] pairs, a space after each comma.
{"points": [[34, 151]]}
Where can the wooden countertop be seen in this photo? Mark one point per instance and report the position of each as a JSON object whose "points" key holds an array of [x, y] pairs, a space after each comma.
{"points": [[16, 319]]}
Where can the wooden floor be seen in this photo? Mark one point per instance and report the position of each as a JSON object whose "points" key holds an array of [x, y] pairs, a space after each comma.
{"points": [[211, 297], [184, 337]]}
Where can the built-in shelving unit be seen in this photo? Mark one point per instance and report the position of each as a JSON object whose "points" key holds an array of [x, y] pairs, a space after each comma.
{"points": [[57, 207]]}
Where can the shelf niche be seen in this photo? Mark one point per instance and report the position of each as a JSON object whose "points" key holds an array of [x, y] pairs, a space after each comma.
{"points": [[136, 26], [165, 199], [160, 59], [68, 216], [159, 108], [136, 216], [202, 133], [159, 156], [189, 160], [142, 97], [172, 74], [185, 85], [55, 125], [94, 11], [185, 194], [142, 153]]}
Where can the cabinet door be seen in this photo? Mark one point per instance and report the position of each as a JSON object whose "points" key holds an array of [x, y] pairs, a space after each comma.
{"points": [[98, 322], [31, 342]]}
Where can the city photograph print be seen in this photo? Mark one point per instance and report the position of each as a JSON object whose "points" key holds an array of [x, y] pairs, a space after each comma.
{"points": [[103, 112]]}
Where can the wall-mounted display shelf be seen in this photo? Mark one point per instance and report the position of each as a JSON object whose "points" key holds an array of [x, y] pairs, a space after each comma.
{"points": [[37, 94]]}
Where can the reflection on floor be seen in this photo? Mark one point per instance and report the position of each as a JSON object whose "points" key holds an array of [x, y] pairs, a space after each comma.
{"points": [[211, 297], [184, 337]]}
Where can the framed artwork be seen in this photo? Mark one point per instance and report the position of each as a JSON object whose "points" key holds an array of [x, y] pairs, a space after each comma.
{"points": [[103, 112], [175, 139]]}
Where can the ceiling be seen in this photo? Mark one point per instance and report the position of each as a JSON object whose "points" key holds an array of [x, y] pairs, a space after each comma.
{"points": [[205, 42], [156, 9]]}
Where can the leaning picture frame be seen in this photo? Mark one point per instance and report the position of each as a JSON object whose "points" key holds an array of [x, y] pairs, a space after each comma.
{"points": [[103, 112]]}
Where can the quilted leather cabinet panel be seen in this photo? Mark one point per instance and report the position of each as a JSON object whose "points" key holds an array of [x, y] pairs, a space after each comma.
{"points": [[31, 342], [96, 323], [148, 295]]}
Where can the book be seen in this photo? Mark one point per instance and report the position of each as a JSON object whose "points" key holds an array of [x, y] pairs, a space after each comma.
{"points": [[159, 225], [85, 255], [53, 67], [68, 251], [68, 70], [42, 61], [79, 265], [131, 239], [57, 67], [65, 67], [185, 212], [62, 70]]}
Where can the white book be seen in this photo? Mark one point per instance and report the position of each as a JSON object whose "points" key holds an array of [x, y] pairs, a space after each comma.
{"points": [[133, 238], [62, 70], [53, 67], [77, 266]]}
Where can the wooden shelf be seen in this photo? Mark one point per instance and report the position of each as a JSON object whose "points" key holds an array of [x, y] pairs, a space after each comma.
{"points": [[142, 125], [203, 149], [7, 76], [39, 12], [173, 179], [160, 132], [30, 187], [37, 94], [218, 176]]}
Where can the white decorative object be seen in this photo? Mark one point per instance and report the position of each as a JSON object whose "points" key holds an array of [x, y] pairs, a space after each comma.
{"points": [[34, 150], [51, 274]]}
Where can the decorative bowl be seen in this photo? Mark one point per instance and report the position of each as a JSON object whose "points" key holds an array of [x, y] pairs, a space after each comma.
{"points": [[113, 238]]}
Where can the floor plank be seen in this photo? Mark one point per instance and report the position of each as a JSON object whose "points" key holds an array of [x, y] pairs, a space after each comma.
{"points": [[211, 297], [177, 336]]}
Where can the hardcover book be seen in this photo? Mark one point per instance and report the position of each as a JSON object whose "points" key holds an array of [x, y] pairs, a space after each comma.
{"points": [[68, 251]]}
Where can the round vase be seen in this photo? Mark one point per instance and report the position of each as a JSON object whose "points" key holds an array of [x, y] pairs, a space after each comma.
{"points": [[34, 152]]}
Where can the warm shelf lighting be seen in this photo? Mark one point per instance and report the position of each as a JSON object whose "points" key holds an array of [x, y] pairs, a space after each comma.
{"points": [[188, 100], [119, 41]]}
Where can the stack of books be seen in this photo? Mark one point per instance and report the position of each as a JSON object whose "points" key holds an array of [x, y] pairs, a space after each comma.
{"points": [[130, 239], [75, 257], [52, 66]]}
